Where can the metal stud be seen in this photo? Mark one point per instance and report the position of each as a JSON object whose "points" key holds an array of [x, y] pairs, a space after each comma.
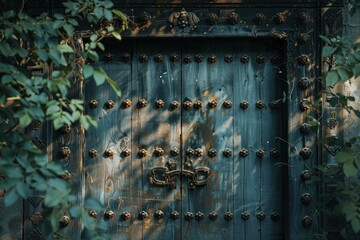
{"points": [[274, 153], [189, 216], [143, 58], [109, 152], [228, 58], [126, 152], [305, 175], [64, 152], [125, 57], [304, 105], [158, 57], [227, 152], [212, 152], [65, 129], [174, 215], [303, 38], [244, 152], [126, 103], [244, 59], [199, 58], [93, 153], [304, 83], [228, 216], [213, 103], [245, 216], [159, 214], [190, 152], [212, 58], [260, 104], [213, 215], [159, 103], [187, 105], [260, 153], [144, 18], [331, 123], [64, 221], [174, 57], [305, 128], [304, 18], [199, 152], [36, 218], [142, 103], [212, 18], [125, 216], [227, 104], [109, 215], [188, 59], [159, 152], [109, 104], [233, 18], [306, 222], [305, 153], [275, 104], [279, 18], [304, 59], [244, 104], [274, 59], [93, 214], [108, 57], [143, 215], [199, 216], [142, 152], [275, 216], [175, 151], [306, 199], [259, 19], [66, 176], [198, 104], [171, 164], [93, 104], [260, 59], [260, 216], [188, 164], [174, 104]]}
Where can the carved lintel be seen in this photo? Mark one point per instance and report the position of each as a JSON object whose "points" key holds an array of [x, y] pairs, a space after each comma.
{"points": [[184, 19]]}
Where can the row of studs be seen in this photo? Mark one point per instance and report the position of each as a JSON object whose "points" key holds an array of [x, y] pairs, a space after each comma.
{"points": [[199, 216], [188, 104], [304, 104], [143, 58]]}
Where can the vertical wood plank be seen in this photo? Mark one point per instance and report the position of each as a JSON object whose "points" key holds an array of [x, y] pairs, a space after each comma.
{"points": [[208, 128], [108, 177], [272, 137], [156, 128]]}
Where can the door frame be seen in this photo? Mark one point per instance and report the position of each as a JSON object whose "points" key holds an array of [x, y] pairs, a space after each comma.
{"points": [[151, 19]]}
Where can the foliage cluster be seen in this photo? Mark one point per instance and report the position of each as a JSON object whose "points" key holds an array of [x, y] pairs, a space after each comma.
{"points": [[344, 65], [52, 43]]}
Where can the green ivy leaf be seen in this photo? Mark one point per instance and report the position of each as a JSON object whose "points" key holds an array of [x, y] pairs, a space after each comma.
{"points": [[99, 77], [92, 204], [328, 50], [88, 71], [344, 74], [350, 169], [98, 13], [332, 78], [10, 197], [65, 48], [75, 211], [114, 86], [116, 35], [325, 39]]}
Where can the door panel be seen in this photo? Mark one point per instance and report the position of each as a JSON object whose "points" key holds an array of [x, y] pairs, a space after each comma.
{"points": [[161, 180]]}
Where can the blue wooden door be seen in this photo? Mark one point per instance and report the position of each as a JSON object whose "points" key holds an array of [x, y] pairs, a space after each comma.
{"points": [[192, 149]]}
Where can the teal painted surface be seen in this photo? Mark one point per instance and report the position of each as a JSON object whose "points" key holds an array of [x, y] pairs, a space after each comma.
{"points": [[237, 184]]}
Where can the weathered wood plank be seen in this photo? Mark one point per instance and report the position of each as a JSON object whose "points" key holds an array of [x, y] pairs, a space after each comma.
{"points": [[272, 137], [108, 174], [154, 128]]}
